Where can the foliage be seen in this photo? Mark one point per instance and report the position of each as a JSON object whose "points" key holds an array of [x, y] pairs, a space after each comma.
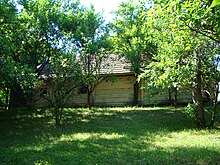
{"points": [[50, 50], [185, 58], [107, 136], [42, 36], [200, 18], [15, 72], [92, 41], [130, 36], [130, 33], [190, 111], [62, 77], [69, 42], [215, 3], [6, 51], [63, 38]]}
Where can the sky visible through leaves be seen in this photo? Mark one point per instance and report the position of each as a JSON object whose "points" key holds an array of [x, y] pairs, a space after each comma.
{"points": [[107, 6]]}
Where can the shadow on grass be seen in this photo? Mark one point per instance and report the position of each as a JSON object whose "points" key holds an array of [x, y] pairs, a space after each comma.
{"points": [[127, 122], [101, 136], [111, 151], [39, 126]]}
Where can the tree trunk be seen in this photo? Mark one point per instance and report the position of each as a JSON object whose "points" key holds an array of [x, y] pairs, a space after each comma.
{"points": [[214, 115], [170, 97], [214, 110], [175, 97], [197, 99], [89, 99], [197, 91], [58, 115], [6, 98], [136, 93], [17, 98], [174, 100]]}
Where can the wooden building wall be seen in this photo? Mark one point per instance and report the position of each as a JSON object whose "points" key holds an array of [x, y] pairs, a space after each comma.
{"points": [[119, 92]]}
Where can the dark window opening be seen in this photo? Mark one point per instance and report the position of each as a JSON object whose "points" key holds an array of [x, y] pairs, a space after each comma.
{"points": [[82, 89]]}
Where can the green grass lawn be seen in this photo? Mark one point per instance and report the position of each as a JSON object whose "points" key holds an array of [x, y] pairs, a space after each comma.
{"points": [[107, 136]]}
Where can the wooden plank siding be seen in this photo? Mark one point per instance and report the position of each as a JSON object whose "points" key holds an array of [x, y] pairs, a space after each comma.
{"points": [[117, 93]]}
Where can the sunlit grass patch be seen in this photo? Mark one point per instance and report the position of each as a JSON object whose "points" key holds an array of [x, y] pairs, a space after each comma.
{"points": [[189, 138], [89, 136]]}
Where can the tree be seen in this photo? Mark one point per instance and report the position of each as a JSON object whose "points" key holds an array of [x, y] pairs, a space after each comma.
{"points": [[91, 38], [130, 36], [84, 45], [204, 21], [43, 30], [38, 39], [13, 65], [51, 31], [50, 51], [95, 46], [62, 76], [185, 55]]}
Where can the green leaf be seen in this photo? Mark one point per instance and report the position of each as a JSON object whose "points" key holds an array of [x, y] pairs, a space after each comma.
{"points": [[215, 3]]}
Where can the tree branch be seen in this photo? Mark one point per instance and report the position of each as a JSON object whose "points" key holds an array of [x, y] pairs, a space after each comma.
{"points": [[204, 34]]}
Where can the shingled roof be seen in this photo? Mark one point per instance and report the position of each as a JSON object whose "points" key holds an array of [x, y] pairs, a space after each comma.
{"points": [[112, 64], [116, 65]]}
